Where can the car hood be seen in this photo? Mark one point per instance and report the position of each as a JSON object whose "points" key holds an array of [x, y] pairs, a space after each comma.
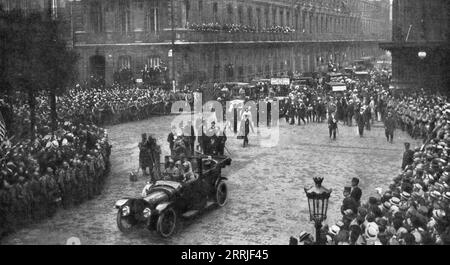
{"points": [[156, 197]]}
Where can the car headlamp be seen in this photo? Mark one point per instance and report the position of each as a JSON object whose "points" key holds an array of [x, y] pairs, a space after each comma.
{"points": [[147, 212], [126, 210]]}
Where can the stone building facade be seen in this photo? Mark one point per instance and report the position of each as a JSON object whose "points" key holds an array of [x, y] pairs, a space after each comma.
{"points": [[256, 38], [420, 44]]}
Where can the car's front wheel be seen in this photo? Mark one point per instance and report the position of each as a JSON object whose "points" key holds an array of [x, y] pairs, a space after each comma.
{"points": [[124, 223], [167, 222], [221, 195]]}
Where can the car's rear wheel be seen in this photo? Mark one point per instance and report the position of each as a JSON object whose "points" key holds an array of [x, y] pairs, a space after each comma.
{"points": [[167, 222], [221, 195], [124, 223]]}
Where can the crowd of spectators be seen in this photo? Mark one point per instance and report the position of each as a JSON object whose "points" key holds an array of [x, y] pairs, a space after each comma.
{"points": [[47, 169], [415, 208], [237, 28], [50, 169]]}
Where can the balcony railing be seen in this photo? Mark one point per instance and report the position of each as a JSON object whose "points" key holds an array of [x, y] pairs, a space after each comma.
{"points": [[116, 37], [183, 35]]}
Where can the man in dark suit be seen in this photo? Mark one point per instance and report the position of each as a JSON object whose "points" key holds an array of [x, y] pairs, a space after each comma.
{"points": [[408, 156], [349, 202], [361, 122], [356, 192], [332, 125]]}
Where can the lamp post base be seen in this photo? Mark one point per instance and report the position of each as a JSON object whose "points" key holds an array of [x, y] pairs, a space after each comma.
{"points": [[318, 226]]}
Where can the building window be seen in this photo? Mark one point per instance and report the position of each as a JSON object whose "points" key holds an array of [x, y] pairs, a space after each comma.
{"points": [[215, 11], [274, 16], [187, 6], [124, 17], [241, 73], [216, 72], [240, 15], [109, 6], [250, 16], [153, 61], [281, 18], [139, 4], [322, 25], [200, 10], [230, 13], [95, 17], [229, 71], [288, 18], [152, 18], [124, 62], [266, 17], [258, 18]]}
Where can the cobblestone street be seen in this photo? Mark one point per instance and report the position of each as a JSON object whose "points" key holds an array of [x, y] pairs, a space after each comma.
{"points": [[267, 203]]}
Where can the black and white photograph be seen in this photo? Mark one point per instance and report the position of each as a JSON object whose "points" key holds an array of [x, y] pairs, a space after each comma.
{"points": [[225, 123]]}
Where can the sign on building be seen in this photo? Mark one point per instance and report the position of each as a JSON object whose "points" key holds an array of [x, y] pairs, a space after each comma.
{"points": [[280, 81]]}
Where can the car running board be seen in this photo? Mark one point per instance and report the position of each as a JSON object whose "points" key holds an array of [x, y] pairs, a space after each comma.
{"points": [[192, 213]]}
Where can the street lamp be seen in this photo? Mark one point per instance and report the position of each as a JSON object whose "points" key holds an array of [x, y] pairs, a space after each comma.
{"points": [[422, 55], [318, 204]]}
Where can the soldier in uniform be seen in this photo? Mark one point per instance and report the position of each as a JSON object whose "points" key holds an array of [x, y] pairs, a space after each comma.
{"points": [[389, 125], [51, 191], [292, 113], [60, 173], [90, 181], [68, 183], [301, 112], [6, 211], [28, 198], [361, 122], [145, 156], [171, 140], [38, 202], [221, 143], [367, 116]]}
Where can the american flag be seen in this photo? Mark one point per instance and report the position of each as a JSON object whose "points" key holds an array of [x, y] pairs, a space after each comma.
{"points": [[2, 128]]}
